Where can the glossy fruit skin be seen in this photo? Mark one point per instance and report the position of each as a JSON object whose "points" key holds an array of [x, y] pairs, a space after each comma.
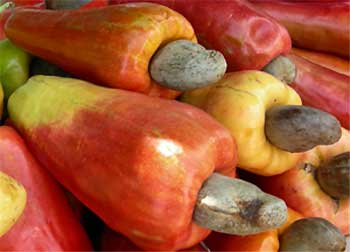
{"points": [[14, 67], [316, 26], [26, 2], [239, 101], [329, 61], [263, 242], [298, 187], [47, 223], [137, 162], [323, 88], [4, 15], [111, 45], [247, 38]]}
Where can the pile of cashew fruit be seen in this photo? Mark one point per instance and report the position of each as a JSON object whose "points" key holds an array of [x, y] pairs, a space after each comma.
{"points": [[174, 125]]}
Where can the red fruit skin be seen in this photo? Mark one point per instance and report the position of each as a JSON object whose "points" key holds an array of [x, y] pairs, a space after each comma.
{"points": [[40, 4], [315, 25], [295, 1], [247, 38], [323, 88], [95, 4], [262, 242], [300, 191], [36, 4], [27, 2], [48, 223], [113, 241], [137, 162], [3, 18], [335, 63], [110, 46]]}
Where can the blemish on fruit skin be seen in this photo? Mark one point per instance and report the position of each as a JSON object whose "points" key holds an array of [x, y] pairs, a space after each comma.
{"points": [[258, 81], [147, 237]]}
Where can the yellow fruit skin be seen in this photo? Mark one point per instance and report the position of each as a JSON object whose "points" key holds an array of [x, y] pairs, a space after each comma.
{"points": [[13, 199], [239, 101]]}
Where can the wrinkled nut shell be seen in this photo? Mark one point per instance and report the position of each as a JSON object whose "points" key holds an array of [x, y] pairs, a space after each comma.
{"points": [[299, 128], [312, 234], [183, 65], [282, 68], [333, 176], [234, 206]]}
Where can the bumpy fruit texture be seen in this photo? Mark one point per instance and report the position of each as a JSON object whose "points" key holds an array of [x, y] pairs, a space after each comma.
{"points": [[137, 162], [239, 101]]}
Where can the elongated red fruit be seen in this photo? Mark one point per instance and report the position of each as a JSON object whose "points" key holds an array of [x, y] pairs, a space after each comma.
{"points": [[329, 61], [110, 45], [323, 88], [5, 10], [248, 39], [137, 162], [316, 26], [47, 223]]}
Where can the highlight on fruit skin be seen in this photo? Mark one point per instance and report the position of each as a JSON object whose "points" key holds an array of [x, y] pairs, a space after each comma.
{"points": [[312, 234], [13, 199]]}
